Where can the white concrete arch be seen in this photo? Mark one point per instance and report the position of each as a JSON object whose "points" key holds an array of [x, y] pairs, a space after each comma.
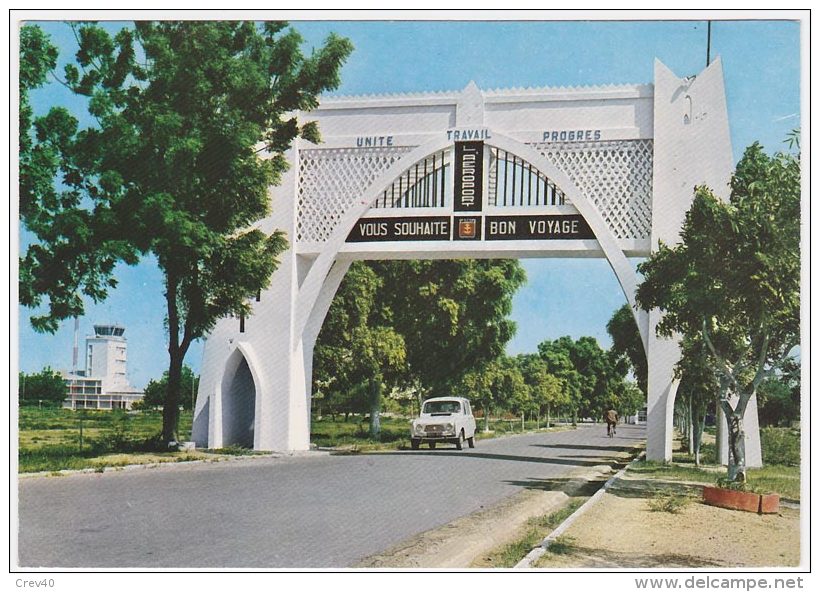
{"points": [[315, 280], [369, 141]]}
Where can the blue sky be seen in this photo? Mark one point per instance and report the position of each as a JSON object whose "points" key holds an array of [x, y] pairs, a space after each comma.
{"points": [[576, 297]]}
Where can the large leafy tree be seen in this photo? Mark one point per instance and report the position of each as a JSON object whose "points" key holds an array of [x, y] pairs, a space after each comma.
{"points": [[587, 370], [453, 315], [734, 282], [191, 123], [420, 326]]}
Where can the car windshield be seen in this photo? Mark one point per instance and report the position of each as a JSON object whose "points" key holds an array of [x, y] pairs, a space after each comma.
{"points": [[433, 407]]}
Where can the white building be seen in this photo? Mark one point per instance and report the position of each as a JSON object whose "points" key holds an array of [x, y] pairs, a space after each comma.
{"points": [[104, 383]]}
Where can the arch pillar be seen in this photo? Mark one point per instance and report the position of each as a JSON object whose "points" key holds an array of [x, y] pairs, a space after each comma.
{"points": [[692, 147], [662, 355]]}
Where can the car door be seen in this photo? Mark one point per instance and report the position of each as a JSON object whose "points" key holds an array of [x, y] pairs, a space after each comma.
{"points": [[470, 431]]}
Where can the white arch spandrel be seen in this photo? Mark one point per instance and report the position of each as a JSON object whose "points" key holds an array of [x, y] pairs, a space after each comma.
{"points": [[312, 285]]}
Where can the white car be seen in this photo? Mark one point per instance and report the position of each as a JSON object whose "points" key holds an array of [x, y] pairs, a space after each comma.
{"points": [[444, 419]]}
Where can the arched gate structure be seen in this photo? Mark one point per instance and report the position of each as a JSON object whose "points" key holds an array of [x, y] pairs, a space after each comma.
{"points": [[567, 172]]}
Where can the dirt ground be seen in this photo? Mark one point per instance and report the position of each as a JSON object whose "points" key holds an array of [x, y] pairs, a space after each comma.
{"points": [[623, 532], [619, 530]]}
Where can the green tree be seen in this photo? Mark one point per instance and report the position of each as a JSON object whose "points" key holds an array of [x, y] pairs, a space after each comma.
{"points": [[46, 386], [477, 384], [696, 392], [734, 282], [172, 168], [630, 398], [156, 391], [626, 343], [510, 392], [357, 355], [779, 397], [379, 352], [453, 315], [557, 355], [587, 369], [547, 390]]}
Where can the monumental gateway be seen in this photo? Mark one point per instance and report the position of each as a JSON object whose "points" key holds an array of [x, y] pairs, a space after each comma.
{"points": [[547, 172]]}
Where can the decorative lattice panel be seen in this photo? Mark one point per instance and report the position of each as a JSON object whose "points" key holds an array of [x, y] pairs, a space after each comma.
{"points": [[332, 180], [616, 176]]}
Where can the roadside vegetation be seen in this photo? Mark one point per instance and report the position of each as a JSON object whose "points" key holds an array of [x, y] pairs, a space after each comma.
{"points": [[50, 439], [535, 531], [353, 434], [55, 439], [780, 473]]}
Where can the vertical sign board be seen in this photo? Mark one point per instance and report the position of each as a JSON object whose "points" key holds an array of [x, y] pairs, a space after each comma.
{"points": [[468, 180], [469, 174]]}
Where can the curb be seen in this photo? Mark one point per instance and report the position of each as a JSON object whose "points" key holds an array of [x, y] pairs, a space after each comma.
{"points": [[168, 464], [536, 553]]}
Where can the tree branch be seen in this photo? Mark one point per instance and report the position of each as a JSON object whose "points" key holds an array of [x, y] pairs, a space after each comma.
{"points": [[724, 366]]}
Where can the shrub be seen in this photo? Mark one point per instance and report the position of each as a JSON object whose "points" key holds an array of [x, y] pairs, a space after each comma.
{"points": [[780, 446], [668, 501]]}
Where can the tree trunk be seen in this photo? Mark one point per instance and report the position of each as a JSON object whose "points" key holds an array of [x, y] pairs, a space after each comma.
{"points": [[375, 408], [486, 419], [690, 428], [737, 442], [697, 434], [522, 422], [548, 417], [176, 353]]}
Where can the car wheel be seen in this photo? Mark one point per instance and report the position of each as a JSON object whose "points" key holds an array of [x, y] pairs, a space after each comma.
{"points": [[414, 443], [471, 441], [460, 441], [432, 445]]}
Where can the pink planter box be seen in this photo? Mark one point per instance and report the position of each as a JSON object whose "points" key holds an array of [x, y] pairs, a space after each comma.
{"points": [[741, 500]]}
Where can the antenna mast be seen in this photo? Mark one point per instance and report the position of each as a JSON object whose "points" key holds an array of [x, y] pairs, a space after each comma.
{"points": [[708, 41]]}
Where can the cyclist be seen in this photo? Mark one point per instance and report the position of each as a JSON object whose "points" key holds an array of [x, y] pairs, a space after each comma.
{"points": [[611, 419]]}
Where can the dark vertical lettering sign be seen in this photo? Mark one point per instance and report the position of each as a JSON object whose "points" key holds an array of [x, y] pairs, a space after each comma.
{"points": [[468, 177]]}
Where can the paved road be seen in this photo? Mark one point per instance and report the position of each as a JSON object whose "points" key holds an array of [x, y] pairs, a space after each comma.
{"points": [[306, 511]]}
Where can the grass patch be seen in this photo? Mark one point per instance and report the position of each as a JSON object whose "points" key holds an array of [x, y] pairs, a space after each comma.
{"points": [[780, 479], [354, 433], [668, 501], [49, 438], [783, 480], [563, 545], [236, 451], [675, 472], [535, 531]]}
